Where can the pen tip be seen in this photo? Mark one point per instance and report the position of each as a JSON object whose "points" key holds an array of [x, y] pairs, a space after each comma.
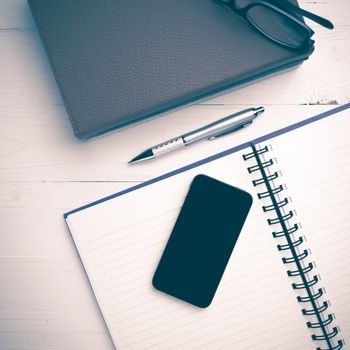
{"points": [[145, 155]]}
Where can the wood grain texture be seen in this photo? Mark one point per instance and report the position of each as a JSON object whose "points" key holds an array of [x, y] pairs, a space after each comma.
{"points": [[45, 299]]}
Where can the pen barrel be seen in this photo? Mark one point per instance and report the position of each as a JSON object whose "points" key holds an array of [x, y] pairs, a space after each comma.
{"points": [[222, 126], [168, 146]]}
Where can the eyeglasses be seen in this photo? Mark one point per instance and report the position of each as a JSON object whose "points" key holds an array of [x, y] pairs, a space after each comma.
{"points": [[280, 21]]}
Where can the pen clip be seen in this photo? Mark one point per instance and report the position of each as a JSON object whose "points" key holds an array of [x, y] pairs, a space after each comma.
{"points": [[228, 131]]}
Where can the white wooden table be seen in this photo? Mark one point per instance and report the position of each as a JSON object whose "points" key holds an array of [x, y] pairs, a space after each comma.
{"points": [[45, 299]]}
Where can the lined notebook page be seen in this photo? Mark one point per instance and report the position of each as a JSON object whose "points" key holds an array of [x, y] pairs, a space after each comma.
{"points": [[315, 165], [120, 242]]}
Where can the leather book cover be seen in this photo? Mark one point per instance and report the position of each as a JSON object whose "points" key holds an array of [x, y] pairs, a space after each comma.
{"points": [[119, 62]]}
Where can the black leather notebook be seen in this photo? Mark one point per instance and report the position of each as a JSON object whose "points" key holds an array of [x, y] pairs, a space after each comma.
{"points": [[119, 62]]}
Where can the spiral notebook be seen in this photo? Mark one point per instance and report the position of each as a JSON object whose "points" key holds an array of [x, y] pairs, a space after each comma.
{"points": [[287, 284]]}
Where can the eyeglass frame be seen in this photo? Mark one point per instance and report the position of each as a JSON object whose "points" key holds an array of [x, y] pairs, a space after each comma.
{"points": [[242, 11]]}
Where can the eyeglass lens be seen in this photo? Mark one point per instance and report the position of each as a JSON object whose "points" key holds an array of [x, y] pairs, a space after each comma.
{"points": [[277, 26]]}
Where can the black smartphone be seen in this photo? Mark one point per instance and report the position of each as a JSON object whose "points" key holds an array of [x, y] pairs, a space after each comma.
{"points": [[202, 240]]}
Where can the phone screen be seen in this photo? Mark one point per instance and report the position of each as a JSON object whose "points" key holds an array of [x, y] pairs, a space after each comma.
{"points": [[202, 241]]}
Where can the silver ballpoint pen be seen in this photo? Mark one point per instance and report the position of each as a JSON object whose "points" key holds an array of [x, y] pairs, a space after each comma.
{"points": [[211, 131]]}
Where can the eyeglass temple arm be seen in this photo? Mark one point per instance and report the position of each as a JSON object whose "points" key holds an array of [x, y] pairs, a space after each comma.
{"points": [[296, 9]]}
